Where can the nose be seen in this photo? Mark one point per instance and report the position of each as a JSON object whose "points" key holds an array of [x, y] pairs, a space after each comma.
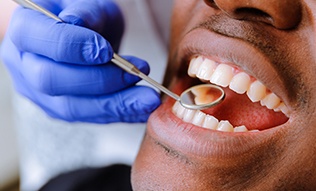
{"points": [[282, 14]]}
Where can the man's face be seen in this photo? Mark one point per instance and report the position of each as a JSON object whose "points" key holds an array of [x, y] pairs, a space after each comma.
{"points": [[261, 52]]}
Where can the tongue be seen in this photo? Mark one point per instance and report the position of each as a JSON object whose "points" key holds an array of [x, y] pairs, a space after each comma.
{"points": [[239, 110]]}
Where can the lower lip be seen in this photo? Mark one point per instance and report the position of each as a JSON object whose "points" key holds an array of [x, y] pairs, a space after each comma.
{"points": [[190, 140]]}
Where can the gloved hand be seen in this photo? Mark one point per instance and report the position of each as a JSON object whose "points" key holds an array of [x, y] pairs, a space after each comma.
{"points": [[65, 68]]}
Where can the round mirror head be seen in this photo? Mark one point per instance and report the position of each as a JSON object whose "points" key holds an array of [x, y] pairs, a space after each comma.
{"points": [[202, 96]]}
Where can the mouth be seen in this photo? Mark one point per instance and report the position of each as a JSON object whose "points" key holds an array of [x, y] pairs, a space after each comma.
{"points": [[249, 105], [253, 113]]}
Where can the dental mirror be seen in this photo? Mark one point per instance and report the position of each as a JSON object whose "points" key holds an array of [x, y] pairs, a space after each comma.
{"points": [[202, 96], [197, 97]]}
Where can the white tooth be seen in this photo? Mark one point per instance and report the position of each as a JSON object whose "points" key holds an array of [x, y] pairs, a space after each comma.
{"points": [[180, 110], [188, 115], [240, 129], [194, 66], [255, 130], [256, 91], [225, 126], [210, 122], [240, 83], [277, 109], [198, 118], [284, 109], [222, 75], [206, 69], [175, 107], [271, 101], [192, 70]]}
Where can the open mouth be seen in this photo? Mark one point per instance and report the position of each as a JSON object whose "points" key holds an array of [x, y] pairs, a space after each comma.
{"points": [[249, 105], [251, 115]]}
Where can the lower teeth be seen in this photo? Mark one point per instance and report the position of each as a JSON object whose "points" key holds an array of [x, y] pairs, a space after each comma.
{"points": [[203, 120]]}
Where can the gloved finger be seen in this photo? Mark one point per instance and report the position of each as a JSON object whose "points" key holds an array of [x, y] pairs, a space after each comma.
{"points": [[102, 16], [131, 105], [55, 78], [34, 32], [54, 6]]}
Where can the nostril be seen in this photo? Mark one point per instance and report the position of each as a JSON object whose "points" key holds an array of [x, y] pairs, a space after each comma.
{"points": [[281, 14], [244, 13], [253, 14], [211, 3], [251, 11]]}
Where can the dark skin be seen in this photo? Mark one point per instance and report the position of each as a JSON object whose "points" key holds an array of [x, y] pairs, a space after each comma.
{"points": [[274, 42]]}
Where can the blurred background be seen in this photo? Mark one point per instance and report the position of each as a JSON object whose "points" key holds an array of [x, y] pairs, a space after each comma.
{"points": [[9, 167]]}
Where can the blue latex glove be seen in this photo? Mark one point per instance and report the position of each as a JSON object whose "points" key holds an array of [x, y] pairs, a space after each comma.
{"points": [[65, 69]]}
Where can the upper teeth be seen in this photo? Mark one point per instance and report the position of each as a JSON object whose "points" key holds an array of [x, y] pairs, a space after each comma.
{"points": [[226, 76]]}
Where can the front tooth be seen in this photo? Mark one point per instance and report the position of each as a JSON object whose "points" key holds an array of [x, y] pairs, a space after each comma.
{"points": [[240, 83], [225, 126], [198, 118], [222, 75], [206, 69], [188, 115], [271, 101], [210, 122], [256, 91], [194, 66], [240, 129]]}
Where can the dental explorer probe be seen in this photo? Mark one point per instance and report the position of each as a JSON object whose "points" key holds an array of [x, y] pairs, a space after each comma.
{"points": [[187, 99]]}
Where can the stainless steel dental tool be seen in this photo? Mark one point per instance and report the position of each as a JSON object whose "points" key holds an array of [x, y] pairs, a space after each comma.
{"points": [[197, 97]]}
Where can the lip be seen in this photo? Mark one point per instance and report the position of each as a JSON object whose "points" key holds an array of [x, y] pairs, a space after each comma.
{"points": [[189, 140]]}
